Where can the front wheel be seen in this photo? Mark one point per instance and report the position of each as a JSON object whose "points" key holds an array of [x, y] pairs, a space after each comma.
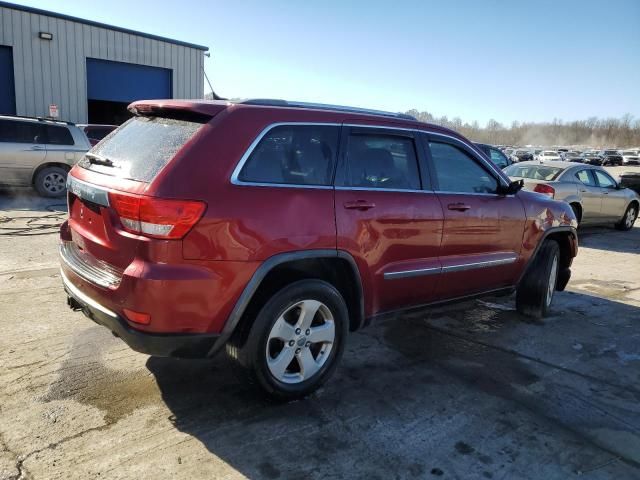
{"points": [[536, 289], [630, 216], [297, 339]]}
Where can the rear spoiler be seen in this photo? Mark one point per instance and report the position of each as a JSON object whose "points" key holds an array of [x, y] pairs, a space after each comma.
{"points": [[193, 111]]}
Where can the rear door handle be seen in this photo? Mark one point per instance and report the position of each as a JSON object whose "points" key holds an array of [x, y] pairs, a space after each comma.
{"points": [[359, 205], [460, 207], [37, 147]]}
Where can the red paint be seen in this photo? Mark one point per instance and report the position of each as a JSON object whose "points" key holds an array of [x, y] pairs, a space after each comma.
{"points": [[191, 284]]}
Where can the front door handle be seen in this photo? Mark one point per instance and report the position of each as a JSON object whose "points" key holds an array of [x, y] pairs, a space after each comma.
{"points": [[359, 205], [459, 207], [37, 147]]}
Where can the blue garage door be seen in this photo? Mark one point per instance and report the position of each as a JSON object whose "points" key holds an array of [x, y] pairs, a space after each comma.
{"points": [[7, 88], [126, 82]]}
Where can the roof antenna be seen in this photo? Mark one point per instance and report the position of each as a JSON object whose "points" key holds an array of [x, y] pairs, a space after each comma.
{"points": [[213, 93]]}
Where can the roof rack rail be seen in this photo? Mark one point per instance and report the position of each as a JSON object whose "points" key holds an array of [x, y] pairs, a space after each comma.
{"points": [[268, 102], [40, 119]]}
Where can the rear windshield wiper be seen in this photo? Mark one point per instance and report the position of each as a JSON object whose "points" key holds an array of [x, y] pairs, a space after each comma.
{"points": [[98, 160]]}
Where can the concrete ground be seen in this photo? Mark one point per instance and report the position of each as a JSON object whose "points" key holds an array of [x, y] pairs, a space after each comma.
{"points": [[468, 391]]}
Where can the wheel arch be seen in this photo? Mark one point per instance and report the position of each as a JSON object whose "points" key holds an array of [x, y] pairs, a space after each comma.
{"points": [[333, 266], [567, 238]]}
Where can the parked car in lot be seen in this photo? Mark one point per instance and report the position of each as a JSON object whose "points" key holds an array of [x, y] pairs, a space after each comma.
{"points": [[630, 157], [611, 157], [521, 155], [495, 155], [274, 228], [592, 158], [594, 196], [548, 156], [95, 132], [38, 153], [575, 157]]}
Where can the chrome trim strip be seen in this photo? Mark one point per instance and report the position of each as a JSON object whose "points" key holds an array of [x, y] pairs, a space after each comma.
{"points": [[254, 144], [236, 171], [400, 190], [472, 266], [87, 191], [73, 290], [412, 273], [90, 268]]}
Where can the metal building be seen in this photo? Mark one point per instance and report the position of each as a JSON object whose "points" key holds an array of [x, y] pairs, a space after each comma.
{"points": [[88, 72]]}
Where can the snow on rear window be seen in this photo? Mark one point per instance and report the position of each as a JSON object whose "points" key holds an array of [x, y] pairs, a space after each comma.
{"points": [[141, 147]]}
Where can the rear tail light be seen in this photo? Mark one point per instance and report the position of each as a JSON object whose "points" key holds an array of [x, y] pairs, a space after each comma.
{"points": [[156, 217], [545, 189]]}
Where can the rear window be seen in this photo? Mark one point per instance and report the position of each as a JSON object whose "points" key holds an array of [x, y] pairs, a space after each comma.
{"points": [[536, 172], [141, 147]]}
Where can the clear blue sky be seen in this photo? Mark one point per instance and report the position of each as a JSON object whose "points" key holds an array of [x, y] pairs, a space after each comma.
{"points": [[509, 60]]}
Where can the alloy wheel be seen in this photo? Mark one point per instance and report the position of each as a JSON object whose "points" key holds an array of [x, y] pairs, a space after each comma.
{"points": [[54, 182], [300, 341]]}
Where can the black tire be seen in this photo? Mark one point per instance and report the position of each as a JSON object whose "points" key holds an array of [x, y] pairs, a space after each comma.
{"points": [[626, 222], [253, 354], [532, 295], [51, 182]]}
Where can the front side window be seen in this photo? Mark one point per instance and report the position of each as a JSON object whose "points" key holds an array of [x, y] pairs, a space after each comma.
{"points": [[604, 180], [21, 132], [457, 172], [498, 158], [585, 177], [293, 154], [381, 161]]}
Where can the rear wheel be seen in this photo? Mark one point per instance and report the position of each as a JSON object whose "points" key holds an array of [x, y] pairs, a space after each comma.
{"points": [[297, 339], [536, 289], [51, 182], [629, 218]]}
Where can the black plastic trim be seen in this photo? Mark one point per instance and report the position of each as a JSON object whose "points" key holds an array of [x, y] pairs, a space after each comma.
{"points": [[261, 273], [568, 229], [179, 345]]}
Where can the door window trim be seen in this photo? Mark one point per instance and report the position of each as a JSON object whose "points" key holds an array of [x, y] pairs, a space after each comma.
{"points": [[235, 180], [422, 152]]}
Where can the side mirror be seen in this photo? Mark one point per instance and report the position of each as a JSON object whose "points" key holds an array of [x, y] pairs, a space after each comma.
{"points": [[512, 188]]}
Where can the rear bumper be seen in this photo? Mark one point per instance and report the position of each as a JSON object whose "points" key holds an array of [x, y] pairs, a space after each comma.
{"points": [[181, 345]]}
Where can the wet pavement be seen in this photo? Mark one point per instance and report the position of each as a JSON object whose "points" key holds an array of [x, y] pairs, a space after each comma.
{"points": [[472, 390]]}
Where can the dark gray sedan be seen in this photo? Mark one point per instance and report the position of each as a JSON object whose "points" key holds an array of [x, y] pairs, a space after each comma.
{"points": [[596, 198]]}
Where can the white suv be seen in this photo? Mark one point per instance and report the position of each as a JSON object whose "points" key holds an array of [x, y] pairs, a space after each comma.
{"points": [[38, 152]]}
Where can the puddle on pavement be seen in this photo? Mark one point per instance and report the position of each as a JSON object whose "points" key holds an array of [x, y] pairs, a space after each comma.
{"points": [[85, 378]]}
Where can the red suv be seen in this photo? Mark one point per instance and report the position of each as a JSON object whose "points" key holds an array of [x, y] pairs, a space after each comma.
{"points": [[275, 228]]}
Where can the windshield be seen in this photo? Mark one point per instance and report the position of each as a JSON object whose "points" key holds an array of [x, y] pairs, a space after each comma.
{"points": [[610, 152], [536, 172], [550, 154], [140, 148], [629, 153]]}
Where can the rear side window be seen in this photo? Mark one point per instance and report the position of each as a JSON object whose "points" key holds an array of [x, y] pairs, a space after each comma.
{"points": [[294, 155], [381, 161], [585, 177], [58, 135], [458, 172], [141, 147], [21, 132]]}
